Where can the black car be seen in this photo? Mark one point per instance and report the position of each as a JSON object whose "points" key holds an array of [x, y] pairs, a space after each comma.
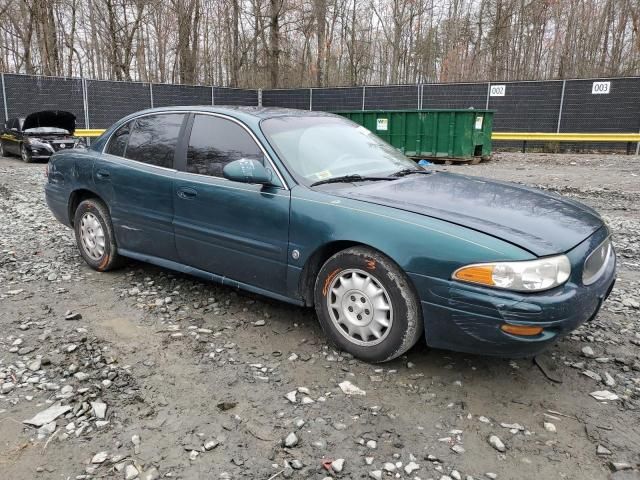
{"points": [[39, 134]]}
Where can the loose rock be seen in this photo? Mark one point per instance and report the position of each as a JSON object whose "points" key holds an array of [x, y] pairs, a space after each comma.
{"points": [[496, 443], [291, 440], [604, 395], [349, 388], [337, 465], [130, 472], [100, 457]]}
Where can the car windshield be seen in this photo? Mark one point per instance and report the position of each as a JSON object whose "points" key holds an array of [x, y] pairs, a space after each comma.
{"points": [[47, 130], [322, 147]]}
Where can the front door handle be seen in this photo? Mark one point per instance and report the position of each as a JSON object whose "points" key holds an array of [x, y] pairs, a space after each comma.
{"points": [[102, 174], [187, 193]]}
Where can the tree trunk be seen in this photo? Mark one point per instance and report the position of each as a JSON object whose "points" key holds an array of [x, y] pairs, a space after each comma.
{"points": [[275, 7], [320, 10], [235, 42]]}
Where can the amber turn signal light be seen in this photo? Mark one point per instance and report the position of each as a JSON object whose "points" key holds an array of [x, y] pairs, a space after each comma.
{"points": [[482, 274], [523, 330]]}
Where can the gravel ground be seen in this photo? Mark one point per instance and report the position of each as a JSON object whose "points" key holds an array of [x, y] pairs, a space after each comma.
{"points": [[145, 373]]}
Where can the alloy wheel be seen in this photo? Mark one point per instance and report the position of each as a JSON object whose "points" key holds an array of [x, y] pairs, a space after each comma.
{"points": [[24, 154], [360, 307], [92, 236]]}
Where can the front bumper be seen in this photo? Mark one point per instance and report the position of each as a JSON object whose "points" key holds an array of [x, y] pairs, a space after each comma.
{"points": [[42, 150], [467, 318]]}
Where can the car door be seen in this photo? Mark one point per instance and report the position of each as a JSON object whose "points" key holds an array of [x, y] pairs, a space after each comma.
{"points": [[135, 176], [4, 136], [12, 137], [235, 230]]}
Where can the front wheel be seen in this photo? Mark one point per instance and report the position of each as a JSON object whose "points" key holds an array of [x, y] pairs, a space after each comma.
{"points": [[25, 154], [94, 235], [367, 306]]}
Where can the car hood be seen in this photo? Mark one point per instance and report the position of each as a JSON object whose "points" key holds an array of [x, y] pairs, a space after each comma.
{"points": [[542, 223], [50, 118]]}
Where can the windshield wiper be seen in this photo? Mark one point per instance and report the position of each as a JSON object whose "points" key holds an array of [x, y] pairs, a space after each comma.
{"points": [[349, 178], [409, 171]]}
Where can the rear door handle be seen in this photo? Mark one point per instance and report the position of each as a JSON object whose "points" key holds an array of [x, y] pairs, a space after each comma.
{"points": [[102, 174], [187, 193]]}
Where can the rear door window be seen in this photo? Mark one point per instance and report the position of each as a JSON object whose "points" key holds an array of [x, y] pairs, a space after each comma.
{"points": [[118, 141], [153, 139], [215, 141]]}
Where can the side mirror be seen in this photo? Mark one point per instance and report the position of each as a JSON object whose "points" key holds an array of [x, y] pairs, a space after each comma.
{"points": [[246, 170]]}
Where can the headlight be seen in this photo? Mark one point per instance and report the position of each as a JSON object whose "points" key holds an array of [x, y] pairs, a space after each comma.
{"points": [[36, 142], [596, 262], [527, 276]]}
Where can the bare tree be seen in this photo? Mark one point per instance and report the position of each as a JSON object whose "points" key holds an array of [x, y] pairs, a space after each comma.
{"points": [[187, 13], [280, 43], [273, 49]]}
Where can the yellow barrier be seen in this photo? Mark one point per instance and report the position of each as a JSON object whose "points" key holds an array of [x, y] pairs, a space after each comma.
{"points": [[565, 137], [500, 136], [90, 132]]}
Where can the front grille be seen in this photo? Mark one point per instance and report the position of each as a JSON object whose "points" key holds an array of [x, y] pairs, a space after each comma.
{"points": [[596, 262], [62, 145]]}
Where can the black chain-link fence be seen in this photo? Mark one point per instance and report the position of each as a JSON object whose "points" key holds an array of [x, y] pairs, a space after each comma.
{"points": [[345, 98], [570, 106], [24, 94], [527, 107], [391, 97], [290, 98], [235, 96], [108, 102], [167, 95], [455, 95]]}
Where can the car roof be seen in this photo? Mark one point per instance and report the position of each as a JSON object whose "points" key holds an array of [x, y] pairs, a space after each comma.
{"points": [[251, 116], [242, 112]]}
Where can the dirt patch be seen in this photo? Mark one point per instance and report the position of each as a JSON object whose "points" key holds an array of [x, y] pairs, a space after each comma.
{"points": [[201, 381]]}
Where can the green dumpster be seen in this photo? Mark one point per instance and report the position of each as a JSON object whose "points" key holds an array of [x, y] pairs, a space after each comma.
{"points": [[438, 134]]}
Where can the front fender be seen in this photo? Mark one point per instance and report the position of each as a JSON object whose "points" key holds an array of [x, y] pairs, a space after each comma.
{"points": [[418, 244]]}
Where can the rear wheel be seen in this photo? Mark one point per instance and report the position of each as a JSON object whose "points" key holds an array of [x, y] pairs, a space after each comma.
{"points": [[25, 154], [367, 306], [94, 235], [2, 152]]}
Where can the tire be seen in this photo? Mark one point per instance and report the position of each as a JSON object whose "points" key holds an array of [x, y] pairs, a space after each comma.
{"points": [[358, 325], [94, 235], [2, 152], [24, 154]]}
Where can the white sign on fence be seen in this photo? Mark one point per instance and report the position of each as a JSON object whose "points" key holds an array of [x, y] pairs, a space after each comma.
{"points": [[497, 90], [382, 124], [600, 88]]}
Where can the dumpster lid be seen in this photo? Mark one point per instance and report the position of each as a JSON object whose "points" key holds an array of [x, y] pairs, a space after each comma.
{"points": [[419, 110]]}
